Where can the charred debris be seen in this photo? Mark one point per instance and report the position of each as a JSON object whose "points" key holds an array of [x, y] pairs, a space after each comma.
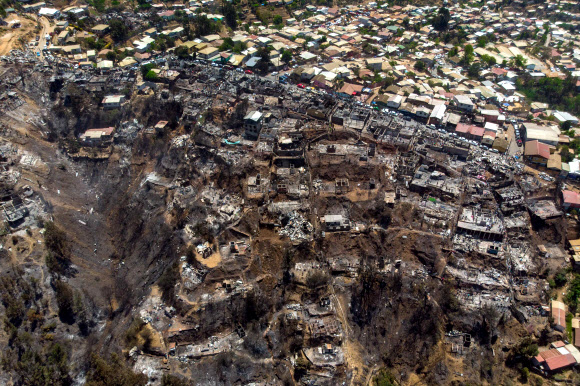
{"points": [[227, 228]]}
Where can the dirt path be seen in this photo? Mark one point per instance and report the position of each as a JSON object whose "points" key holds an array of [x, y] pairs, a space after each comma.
{"points": [[351, 348], [10, 39]]}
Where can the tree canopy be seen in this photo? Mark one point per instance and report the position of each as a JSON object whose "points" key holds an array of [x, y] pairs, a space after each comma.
{"points": [[230, 15], [119, 30], [441, 21]]}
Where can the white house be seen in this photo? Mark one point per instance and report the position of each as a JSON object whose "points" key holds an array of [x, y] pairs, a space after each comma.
{"points": [[113, 101], [49, 12], [464, 103], [253, 124], [395, 101]]}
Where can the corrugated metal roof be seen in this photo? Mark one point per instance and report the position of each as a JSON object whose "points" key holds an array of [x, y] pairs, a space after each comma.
{"points": [[560, 362]]}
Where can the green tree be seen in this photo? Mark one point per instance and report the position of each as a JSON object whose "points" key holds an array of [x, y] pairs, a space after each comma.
{"points": [[453, 52], [560, 278], [526, 348], [573, 293], [230, 14], [181, 52], [203, 26], [286, 56], [264, 62], [520, 61], [419, 65], [467, 55], [118, 29], [65, 301], [384, 378], [565, 126], [111, 55], [228, 44], [473, 70], [146, 68], [566, 155], [488, 59], [113, 372], [277, 19], [441, 21], [482, 41]]}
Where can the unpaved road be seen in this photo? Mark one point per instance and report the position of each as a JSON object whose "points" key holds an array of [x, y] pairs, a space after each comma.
{"points": [[10, 39], [10, 36]]}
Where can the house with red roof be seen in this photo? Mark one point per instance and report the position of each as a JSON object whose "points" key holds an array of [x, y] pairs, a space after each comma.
{"points": [[576, 331], [558, 313], [499, 73], [334, 11], [349, 89], [570, 199], [470, 131], [559, 357], [537, 152], [167, 15], [95, 137]]}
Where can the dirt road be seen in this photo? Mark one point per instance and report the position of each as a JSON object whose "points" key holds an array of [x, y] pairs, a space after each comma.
{"points": [[13, 38], [46, 28], [9, 40]]}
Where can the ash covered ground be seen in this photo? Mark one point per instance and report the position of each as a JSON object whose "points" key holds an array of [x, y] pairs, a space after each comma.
{"points": [[336, 246]]}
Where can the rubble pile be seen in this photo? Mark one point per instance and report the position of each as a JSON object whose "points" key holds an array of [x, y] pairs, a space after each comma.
{"points": [[297, 228]]}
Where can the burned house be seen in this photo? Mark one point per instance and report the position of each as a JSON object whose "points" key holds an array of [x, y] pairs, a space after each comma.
{"points": [[510, 199], [321, 109], [434, 181], [14, 211], [341, 185], [544, 209], [289, 145], [358, 118], [481, 223], [406, 165]]}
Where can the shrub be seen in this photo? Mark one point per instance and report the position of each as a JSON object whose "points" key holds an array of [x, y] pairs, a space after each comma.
{"points": [[560, 279], [65, 301]]}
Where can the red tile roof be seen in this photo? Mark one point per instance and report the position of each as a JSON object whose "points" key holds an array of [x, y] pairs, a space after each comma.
{"points": [[537, 148], [571, 197], [462, 128], [476, 131], [473, 130], [560, 362], [490, 133], [558, 344], [552, 353], [350, 88], [104, 130]]}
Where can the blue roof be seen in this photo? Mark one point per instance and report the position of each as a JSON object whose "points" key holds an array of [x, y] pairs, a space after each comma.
{"points": [[252, 61]]}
